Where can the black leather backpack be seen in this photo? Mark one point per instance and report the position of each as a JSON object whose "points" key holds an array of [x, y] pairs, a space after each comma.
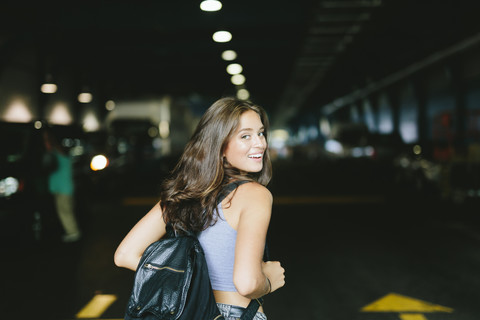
{"points": [[172, 281]]}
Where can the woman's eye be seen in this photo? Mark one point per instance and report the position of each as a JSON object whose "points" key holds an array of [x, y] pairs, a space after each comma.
{"points": [[246, 136], [261, 134]]}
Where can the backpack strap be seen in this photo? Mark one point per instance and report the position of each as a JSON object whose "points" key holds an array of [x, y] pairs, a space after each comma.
{"points": [[229, 188], [252, 309], [223, 194]]}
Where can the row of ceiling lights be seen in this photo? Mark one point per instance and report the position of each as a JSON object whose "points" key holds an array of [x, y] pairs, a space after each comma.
{"points": [[83, 97], [233, 69], [49, 87]]}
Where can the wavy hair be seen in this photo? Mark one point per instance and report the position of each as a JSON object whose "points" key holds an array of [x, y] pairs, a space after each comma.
{"points": [[189, 195]]}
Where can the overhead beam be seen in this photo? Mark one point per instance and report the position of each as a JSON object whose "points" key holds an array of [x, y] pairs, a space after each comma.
{"points": [[405, 73]]}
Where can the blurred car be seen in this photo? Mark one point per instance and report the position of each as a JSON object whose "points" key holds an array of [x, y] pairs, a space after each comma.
{"points": [[21, 185], [464, 181], [26, 206], [386, 146], [354, 140], [349, 140], [416, 172]]}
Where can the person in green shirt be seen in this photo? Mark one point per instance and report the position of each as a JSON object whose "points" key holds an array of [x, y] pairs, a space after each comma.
{"points": [[61, 186]]}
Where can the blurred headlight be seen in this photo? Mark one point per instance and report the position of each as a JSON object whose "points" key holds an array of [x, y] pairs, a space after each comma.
{"points": [[333, 146], [99, 162], [8, 186]]}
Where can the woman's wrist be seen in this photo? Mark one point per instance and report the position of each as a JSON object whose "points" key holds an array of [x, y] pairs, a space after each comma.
{"points": [[268, 285]]}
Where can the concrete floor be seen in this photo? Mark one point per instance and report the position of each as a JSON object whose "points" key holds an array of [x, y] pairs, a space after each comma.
{"points": [[353, 249]]}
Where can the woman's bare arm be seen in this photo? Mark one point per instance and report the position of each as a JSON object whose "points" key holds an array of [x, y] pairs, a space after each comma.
{"points": [[148, 230], [252, 277]]}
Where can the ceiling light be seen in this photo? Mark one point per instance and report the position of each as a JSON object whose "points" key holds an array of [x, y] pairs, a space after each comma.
{"points": [[211, 5], [48, 88], [85, 97], [229, 55], [234, 68], [243, 94], [238, 79], [222, 36]]}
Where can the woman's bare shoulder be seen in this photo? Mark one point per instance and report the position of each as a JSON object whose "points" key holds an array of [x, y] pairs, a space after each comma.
{"points": [[253, 192]]}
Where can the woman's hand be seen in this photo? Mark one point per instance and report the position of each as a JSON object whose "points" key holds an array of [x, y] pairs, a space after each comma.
{"points": [[275, 273]]}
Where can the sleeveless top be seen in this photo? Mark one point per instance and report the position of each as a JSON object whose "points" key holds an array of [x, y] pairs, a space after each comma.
{"points": [[218, 243]]}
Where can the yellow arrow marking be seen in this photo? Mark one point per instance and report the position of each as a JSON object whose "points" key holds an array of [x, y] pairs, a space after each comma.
{"points": [[393, 302], [97, 306], [412, 316]]}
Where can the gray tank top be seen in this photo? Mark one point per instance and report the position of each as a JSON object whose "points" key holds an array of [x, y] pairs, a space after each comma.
{"points": [[218, 243]]}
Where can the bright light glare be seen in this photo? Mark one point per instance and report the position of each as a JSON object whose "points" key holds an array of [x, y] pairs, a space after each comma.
{"points": [[238, 79], [417, 149], [324, 125], [333, 146], [222, 36], [90, 122], [85, 97], [8, 186], [48, 88], [164, 129], [110, 105], [279, 138], [210, 5], [60, 114], [243, 94], [99, 162], [229, 55], [234, 68], [358, 152], [281, 134], [17, 111]]}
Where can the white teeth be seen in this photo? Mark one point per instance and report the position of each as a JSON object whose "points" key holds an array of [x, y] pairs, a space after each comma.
{"points": [[256, 156]]}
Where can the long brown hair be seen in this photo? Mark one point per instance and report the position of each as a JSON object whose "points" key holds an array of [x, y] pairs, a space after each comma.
{"points": [[189, 196]]}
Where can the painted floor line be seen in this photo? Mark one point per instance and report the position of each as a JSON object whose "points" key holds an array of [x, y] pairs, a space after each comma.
{"points": [[97, 306], [327, 199], [281, 200], [139, 201]]}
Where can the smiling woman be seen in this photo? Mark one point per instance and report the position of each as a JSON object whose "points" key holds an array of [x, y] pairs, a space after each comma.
{"points": [[246, 147], [226, 158]]}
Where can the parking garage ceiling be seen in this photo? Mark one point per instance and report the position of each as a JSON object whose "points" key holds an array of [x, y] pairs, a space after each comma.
{"points": [[296, 55]]}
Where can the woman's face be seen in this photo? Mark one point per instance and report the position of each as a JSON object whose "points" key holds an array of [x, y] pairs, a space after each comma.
{"points": [[246, 147]]}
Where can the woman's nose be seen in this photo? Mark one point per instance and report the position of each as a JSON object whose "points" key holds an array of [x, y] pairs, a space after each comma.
{"points": [[260, 141]]}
